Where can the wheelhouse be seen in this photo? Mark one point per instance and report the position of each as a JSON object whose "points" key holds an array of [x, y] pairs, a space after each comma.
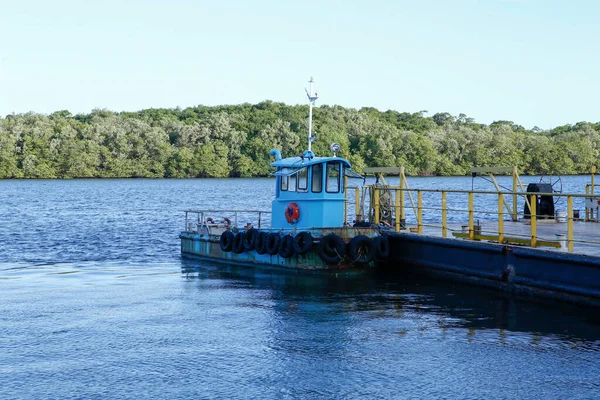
{"points": [[309, 191]]}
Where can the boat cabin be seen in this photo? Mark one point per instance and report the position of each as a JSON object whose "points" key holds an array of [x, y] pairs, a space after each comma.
{"points": [[309, 191]]}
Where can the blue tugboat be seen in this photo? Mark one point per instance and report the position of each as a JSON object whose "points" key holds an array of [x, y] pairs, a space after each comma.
{"points": [[308, 220]]}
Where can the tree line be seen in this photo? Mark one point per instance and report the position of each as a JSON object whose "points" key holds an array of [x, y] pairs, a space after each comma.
{"points": [[234, 141]]}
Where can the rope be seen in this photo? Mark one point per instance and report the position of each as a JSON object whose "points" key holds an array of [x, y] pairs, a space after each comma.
{"points": [[485, 178], [339, 256]]}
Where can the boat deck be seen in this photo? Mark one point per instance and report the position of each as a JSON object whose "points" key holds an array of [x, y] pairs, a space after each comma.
{"points": [[586, 234]]}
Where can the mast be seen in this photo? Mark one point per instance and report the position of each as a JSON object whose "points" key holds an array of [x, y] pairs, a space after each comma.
{"points": [[311, 100]]}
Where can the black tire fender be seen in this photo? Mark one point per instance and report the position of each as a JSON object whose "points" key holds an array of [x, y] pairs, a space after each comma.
{"points": [[238, 243], [272, 243], [250, 239], [331, 249], [226, 241], [261, 242], [382, 248], [303, 242], [361, 250], [286, 246]]}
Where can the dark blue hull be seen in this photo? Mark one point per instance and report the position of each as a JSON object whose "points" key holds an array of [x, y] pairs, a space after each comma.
{"points": [[557, 275]]}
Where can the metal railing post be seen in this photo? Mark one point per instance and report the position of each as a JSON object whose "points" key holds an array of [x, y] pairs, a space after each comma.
{"points": [[419, 212], [471, 217], [363, 201], [593, 173], [587, 210], [444, 215], [402, 178], [376, 194], [593, 187], [533, 211], [514, 196], [500, 218], [357, 202], [397, 209], [346, 200], [570, 224]]}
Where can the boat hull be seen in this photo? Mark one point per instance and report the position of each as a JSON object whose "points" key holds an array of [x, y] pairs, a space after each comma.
{"points": [[207, 247]]}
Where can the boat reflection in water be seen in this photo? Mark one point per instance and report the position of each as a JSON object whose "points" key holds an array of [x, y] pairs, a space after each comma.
{"points": [[414, 304]]}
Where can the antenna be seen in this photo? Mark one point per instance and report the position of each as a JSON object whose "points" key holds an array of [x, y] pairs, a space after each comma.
{"points": [[311, 101]]}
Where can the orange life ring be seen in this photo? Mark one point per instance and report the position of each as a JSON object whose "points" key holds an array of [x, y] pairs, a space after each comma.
{"points": [[227, 222], [292, 213], [209, 220]]}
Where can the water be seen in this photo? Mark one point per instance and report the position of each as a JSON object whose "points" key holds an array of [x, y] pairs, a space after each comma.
{"points": [[95, 302]]}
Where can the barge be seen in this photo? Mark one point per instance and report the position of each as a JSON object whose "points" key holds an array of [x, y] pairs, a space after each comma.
{"points": [[523, 246]]}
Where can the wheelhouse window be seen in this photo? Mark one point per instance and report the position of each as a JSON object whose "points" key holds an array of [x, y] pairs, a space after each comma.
{"points": [[292, 184], [303, 180], [317, 178], [333, 177], [284, 183]]}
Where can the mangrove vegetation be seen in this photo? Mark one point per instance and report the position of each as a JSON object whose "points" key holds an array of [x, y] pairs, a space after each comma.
{"points": [[234, 141]]}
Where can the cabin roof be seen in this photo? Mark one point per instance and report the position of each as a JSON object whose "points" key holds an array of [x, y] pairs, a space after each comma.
{"points": [[300, 162]]}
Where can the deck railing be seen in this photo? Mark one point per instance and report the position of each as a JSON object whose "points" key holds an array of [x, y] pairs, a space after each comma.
{"points": [[233, 218], [434, 217], [589, 191]]}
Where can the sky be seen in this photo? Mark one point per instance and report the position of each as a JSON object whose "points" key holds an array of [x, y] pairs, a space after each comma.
{"points": [[534, 62]]}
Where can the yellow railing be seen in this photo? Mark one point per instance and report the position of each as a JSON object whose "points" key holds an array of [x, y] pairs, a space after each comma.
{"points": [[589, 191], [529, 237], [516, 184]]}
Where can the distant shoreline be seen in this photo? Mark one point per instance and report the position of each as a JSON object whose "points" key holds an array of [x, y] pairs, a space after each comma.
{"points": [[234, 141]]}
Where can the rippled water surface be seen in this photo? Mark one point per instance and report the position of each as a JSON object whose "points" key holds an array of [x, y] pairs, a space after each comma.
{"points": [[95, 302]]}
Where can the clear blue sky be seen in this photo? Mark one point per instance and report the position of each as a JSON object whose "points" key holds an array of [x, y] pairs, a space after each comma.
{"points": [[535, 62]]}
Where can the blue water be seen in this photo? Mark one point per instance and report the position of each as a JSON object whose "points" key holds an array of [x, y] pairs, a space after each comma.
{"points": [[95, 302]]}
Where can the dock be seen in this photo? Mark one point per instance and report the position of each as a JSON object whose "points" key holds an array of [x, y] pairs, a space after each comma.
{"points": [[515, 242], [550, 235]]}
